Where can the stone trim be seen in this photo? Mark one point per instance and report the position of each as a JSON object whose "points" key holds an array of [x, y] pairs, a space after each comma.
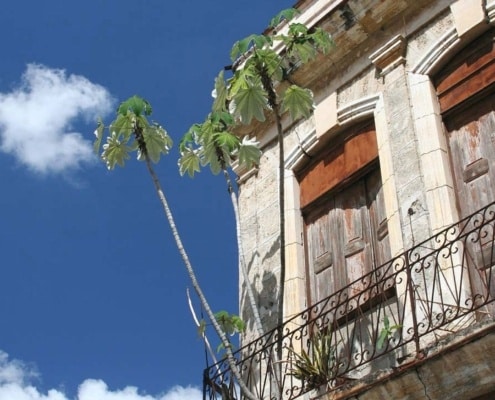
{"points": [[298, 154], [389, 56], [435, 54], [243, 174], [490, 12], [352, 112]]}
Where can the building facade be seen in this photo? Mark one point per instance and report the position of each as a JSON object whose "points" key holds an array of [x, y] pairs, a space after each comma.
{"points": [[389, 191]]}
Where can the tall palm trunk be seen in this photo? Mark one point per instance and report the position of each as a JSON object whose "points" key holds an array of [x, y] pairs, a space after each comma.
{"points": [[185, 258], [249, 287], [242, 260], [281, 202], [190, 271], [273, 103]]}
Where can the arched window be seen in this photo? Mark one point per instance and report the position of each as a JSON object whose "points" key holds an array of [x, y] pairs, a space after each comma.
{"points": [[466, 92], [342, 203]]}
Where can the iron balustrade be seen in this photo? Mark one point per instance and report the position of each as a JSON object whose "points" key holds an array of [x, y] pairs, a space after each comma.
{"points": [[373, 324]]}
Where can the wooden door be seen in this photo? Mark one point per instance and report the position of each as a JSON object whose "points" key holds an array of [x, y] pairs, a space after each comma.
{"points": [[346, 238], [466, 93], [471, 135]]}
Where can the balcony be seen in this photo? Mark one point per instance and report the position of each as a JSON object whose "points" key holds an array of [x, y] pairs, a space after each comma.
{"points": [[386, 321]]}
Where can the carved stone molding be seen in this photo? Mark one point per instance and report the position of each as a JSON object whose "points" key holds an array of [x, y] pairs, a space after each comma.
{"points": [[436, 52], [490, 11], [356, 110], [389, 56], [299, 153]]}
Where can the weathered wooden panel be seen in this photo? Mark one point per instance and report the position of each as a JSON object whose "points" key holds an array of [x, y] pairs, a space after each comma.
{"points": [[378, 219], [342, 160], [342, 241], [467, 99], [472, 150], [471, 72]]}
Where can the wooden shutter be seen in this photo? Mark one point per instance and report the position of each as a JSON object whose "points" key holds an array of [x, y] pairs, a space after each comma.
{"points": [[466, 90], [346, 237]]}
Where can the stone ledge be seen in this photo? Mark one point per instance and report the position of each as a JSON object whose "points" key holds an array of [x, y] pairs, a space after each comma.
{"points": [[460, 364]]}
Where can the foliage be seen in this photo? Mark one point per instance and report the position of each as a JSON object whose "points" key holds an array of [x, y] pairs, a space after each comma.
{"points": [[213, 143], [257, 86], [249, 93], [132, 131], [229, 323], [386, 333], [297, 101], [284, 15], [316, 365]]}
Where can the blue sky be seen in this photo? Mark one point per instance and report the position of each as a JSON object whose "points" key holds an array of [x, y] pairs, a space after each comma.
{"points": [[92, 289]]}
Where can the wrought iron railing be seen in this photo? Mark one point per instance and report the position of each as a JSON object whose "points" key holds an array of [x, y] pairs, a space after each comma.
{"points": [[390, 315]]}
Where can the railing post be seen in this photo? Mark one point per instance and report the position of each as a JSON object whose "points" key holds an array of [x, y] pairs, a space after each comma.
{"points": [[410, 289]]}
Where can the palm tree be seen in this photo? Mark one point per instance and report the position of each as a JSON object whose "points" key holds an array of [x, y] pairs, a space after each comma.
{"points": [[131, 131], [260, 83]]}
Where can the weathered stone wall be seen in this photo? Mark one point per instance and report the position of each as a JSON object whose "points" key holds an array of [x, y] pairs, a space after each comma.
{"points": [[461, 370], [380, 70]]}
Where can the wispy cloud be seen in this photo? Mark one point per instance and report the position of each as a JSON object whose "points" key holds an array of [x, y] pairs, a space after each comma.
{"points": [[37, 119], [16, 383]]}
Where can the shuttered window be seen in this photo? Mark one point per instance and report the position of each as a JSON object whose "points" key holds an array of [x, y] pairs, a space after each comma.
{"points": [[345, 223]]}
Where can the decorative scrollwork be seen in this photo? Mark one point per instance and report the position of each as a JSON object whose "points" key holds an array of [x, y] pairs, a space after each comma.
{"points": [[423, 289]]}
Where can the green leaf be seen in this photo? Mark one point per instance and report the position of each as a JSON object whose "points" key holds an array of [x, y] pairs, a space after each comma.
{"points": [[238, 323], [298, 101], [241, 47], [157, 142], [230, 323], [226, 118], [208, 129], [271, 61], [100, 129], [322, 40], [201, 327], [249, 153], [297, 29], [227, 141], [381, 339], [135, 104], [242, 79], [189, 138], [386, 323], [221, 93], [115, 151], [189, 162], [305, 51], [287, 15], [214, 156], [123, 125], [220, 347], [250, 103]]}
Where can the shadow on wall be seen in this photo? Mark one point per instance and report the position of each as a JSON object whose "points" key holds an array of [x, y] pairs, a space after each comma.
{"points": [[267, 297]]}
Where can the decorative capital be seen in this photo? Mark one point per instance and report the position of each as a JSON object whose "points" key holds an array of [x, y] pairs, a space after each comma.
{"points": [[389, 56]]}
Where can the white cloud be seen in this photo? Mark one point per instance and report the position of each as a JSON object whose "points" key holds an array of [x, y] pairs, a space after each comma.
{"points": [[16, 383], [36, 119]]}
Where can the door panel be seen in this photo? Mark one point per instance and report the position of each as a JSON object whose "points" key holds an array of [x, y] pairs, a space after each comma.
{"points": [[378, 219], [471, 134], [321, 256], [351, 208], [472, 150], [346, 237]]}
